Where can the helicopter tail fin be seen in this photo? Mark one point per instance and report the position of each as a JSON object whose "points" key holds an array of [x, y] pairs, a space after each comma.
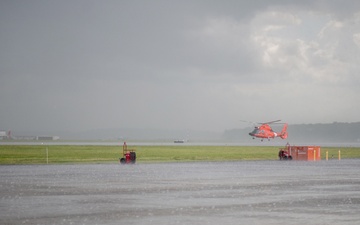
{"points": [[284, 133]]}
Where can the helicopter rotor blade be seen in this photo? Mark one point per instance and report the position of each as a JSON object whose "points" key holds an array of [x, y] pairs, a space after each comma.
{"points": [[256, 123], [271, 122], [253, 123]]}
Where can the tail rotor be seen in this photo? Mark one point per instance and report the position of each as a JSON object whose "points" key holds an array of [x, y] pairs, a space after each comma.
{"points": [[284, 133]]}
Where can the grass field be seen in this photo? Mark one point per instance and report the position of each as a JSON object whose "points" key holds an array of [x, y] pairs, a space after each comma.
{"points": [[57, 154]]}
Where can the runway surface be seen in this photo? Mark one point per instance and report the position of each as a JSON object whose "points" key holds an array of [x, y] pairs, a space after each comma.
{"points": [[243, 192]]}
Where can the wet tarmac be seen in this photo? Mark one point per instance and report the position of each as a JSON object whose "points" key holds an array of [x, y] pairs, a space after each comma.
{"points": [[244, 192]]}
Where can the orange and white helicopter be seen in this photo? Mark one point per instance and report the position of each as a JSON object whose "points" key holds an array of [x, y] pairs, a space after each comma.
{"points": [[265, 131]]}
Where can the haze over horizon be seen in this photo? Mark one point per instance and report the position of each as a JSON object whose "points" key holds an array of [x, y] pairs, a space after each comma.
{"points": [[177, 65]]}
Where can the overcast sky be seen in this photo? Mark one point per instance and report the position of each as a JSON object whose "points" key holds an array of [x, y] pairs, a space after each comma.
{"points": [[200, 65]]}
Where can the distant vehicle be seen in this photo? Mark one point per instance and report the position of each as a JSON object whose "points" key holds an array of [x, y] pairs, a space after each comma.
{"points": [[284, 155], [129, 155], [179, 141], [265, 131]]}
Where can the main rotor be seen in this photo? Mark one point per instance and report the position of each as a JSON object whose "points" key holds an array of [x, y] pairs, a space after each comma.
{"points": [[270, 122]]}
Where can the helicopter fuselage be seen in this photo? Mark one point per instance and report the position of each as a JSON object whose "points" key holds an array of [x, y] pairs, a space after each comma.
{"points": [[265, 131]]}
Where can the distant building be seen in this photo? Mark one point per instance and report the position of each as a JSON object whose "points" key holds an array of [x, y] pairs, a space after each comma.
{"points": [[25, 138], [7, 136], [47, 138], [3, 135]]}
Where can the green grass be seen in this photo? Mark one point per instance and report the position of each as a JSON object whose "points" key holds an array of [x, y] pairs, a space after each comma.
{"points": [[345, 153], [36, 154]]}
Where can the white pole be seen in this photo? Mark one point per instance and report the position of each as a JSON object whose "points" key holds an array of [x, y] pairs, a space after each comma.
{"points": [[47, 156]]}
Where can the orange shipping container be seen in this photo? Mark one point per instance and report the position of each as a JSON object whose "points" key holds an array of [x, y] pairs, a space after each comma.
{"points": [[305, 153]]}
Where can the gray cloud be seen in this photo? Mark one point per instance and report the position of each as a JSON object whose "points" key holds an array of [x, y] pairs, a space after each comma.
{"points": [[204, 65]]}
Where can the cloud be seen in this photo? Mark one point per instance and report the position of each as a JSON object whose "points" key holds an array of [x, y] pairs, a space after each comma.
{"points": [[202, 65], [323, 59]]}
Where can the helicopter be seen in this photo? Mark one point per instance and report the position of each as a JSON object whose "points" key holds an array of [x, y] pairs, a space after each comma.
{"points": [[265, 131]]}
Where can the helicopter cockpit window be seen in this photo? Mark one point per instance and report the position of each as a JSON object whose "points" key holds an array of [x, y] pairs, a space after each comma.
{"points": [[255, 131]]}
